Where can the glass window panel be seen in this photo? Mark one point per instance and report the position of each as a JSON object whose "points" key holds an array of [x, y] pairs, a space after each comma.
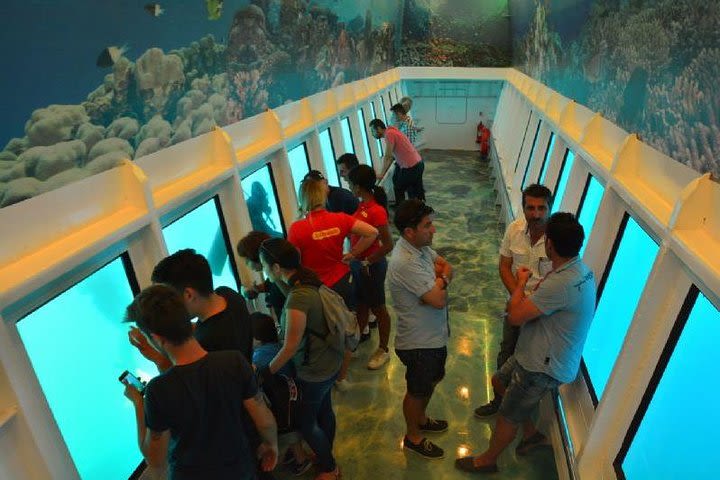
{"points": [[620, 296], [546, 160], [78, 346], [299, 165], [201, 229], [390, 96], [563, 177], [384, 110], [587, 211], [363, 133], [347, 135], [262, 203], [530, 158], [522, 142], [328, 153], [656, 450]]}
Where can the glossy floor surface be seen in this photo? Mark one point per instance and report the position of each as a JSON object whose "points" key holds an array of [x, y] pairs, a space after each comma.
{"points": [[369, 414]]}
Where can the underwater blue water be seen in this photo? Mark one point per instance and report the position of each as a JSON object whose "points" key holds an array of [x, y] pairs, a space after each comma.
{"points": [[328, 154], [363, 133], [673, 443], [262, 202], [587, 211], [78, 345], [200, 229], [530, 158], [548, 155], [563, 177], [299, 164], [625, 282], [347, 135]]}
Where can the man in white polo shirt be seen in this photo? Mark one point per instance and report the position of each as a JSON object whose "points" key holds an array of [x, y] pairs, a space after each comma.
{"points": [[522, 246], [409, 165]]}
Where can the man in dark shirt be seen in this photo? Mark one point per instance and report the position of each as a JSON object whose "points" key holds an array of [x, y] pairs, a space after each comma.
{"points": [[248, 248], [339, 199], [223, 318], [191, 416]]}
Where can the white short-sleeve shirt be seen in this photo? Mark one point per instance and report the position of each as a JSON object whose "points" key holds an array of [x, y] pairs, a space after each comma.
{"points": [[516, 244]]}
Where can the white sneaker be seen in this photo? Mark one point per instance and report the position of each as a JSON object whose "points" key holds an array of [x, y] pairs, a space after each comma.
{"points": [[378, 359], [342, 385]]}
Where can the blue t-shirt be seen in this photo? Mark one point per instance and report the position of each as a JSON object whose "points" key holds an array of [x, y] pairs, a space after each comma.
{"points": [[553, 342], [341, 200], [411, 274], [263, 355]]}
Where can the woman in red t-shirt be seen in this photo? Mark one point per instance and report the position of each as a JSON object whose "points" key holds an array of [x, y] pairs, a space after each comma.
{"points": [[370, 266]]}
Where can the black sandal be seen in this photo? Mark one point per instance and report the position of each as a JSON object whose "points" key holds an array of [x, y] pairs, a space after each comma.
{"points": [[466, 465]]}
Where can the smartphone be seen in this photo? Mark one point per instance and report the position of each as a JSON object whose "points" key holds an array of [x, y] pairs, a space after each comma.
{"points": [[128, 378]]}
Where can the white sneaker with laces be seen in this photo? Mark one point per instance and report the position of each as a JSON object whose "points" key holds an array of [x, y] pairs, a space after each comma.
{"points": [[378, 359]]}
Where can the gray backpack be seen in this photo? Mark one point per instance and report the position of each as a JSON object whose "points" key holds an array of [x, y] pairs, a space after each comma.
{"points": [[343, 331]]}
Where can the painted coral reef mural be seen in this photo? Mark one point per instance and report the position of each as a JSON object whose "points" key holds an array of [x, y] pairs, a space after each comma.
{"points": [[651, 66], [95, 83]]}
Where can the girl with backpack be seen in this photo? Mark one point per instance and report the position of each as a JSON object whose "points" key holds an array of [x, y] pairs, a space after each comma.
{"points": [[305, 333]]}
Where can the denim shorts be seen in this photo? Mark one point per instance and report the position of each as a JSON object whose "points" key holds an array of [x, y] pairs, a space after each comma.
{"points": [[425, 369], [524, 390], [370, 283]]}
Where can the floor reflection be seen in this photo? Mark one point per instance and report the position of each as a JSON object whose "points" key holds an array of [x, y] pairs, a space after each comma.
{"points": [[370, 420]]}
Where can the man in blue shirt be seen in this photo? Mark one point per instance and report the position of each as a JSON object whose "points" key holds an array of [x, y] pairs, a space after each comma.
{"points": [[418, 279], [338, 199], [555, 319]]}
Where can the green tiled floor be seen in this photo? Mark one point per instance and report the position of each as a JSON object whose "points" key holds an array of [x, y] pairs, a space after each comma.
{"points": [[370, 420]]}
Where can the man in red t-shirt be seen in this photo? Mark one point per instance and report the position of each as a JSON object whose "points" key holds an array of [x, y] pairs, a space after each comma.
{"points": [[409, 165]]}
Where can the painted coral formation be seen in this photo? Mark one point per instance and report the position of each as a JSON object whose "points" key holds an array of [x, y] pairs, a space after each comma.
{"points": [[649, 66]]}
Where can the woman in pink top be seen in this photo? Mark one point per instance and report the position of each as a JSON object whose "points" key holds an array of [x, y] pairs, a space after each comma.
{"points": [[369, 268]]}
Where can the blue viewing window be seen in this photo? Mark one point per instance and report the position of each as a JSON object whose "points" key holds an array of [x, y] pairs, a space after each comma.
{"points": [[363, 133], [668, 443], [546, 158], [374, 116], [347, 135], [384, 110], [299, 164], [589, 205], [522, 142], [530, 158], [78, 346], [203, 229], [563, 177], [390, 96], [625, 277], [328, 154], [262, 203]]}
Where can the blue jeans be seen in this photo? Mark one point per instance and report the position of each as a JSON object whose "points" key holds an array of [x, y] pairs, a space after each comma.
{"points": [[317, 420]]}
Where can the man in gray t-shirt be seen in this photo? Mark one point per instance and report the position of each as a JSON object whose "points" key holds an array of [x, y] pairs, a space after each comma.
{"points": [[555, 319], [417, 279]]}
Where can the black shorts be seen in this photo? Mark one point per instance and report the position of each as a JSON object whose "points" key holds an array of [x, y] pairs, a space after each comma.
{"points": [[345, 288], [370, 283], [425, 369]]}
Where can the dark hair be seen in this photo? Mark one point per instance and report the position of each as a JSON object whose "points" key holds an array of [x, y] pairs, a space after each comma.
{"points": [[249, 246], [280, 251], [377, 123], [263, 328], [350, 160], [565, 233], [398, 108], [410, 213], [185, 268], [159, 309], [314, 175], [364, 177], [537, 191]]}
